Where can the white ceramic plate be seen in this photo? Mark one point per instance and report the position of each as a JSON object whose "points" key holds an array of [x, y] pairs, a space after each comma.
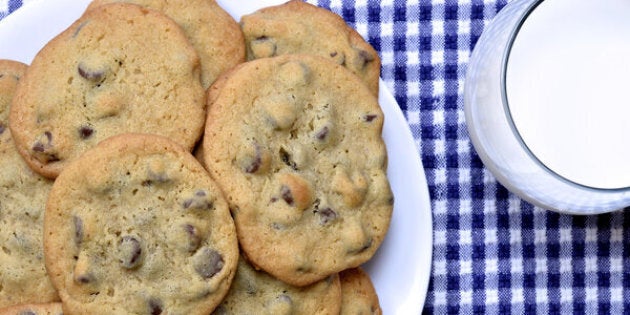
{"points": [[401, 268]]}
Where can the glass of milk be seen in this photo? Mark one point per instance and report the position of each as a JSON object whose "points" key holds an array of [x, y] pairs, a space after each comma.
{"points": [[547, 102]]}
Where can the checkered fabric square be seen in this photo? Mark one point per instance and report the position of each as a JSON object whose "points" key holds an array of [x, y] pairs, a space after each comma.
{"points": [[493, 253]]}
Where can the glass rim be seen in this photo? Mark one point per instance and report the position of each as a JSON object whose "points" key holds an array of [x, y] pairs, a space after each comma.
{"points": [[508, 113]]}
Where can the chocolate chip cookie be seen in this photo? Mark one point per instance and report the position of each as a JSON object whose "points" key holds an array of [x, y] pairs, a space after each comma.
{"points": [[256, 292], [33, 309], [358, 295], [23, 196], [137, 226], [299, 27], [213, 32], [295, 143], [119, 68]]}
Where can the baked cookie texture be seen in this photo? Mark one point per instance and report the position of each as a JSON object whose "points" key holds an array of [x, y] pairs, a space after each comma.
{"points": [[297, 27], [137, 226], [33, 309], [256, 292], [215, 35], [23, 194], [295, 143], [119, 68], [358, 296]]}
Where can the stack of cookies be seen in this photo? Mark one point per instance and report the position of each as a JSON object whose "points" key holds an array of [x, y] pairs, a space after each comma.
{"points": [[105, 210]]}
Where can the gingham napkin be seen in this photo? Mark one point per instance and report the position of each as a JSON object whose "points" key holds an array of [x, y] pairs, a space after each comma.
{"points": [[8, 6], [493, 253]]}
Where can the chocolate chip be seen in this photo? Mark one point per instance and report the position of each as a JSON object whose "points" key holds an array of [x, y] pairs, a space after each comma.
{"points": [[207, 262], [286, 159], [155, 306], [322, 133], [326, 215], [38, 147], [85, 132], [338, 58], [42, 148], [256, 162], [197, 202], [187, 203], [365, 57], [200, 193], [52, 158], [90, 75], [130, 252], [193, 237], [155, 177], [287, 196], [252, 168], [2, 128], [263, 46], [78, 230], [316, 204], [84, 278], [370, 117], [367, 245], [41, 144]]}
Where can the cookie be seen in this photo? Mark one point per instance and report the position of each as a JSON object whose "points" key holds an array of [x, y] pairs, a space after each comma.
{"points": [[255, 292], [215, 35], [358, 296], [119, 68], [33, 309], [23, 196], [295, 143], [297, 27], [137, 226]]}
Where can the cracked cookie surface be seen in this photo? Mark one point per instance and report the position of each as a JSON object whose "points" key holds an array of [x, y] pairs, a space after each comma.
{"points": [[23, 193], [119, 68], [297, 27], [136, 225], [295, 143]]}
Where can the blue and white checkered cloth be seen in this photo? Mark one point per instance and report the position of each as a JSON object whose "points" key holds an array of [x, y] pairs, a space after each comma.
{"points": [[8, 6], [493, 253]]}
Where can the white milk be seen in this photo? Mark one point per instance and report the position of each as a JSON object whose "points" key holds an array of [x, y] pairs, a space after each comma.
{"points": [[568, 89]]}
